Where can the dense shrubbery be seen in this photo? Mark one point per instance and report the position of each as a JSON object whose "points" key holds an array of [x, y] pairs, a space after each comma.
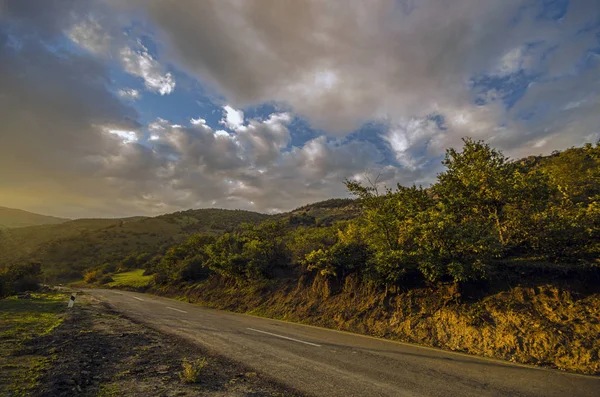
{"points": [[483, 213], [19, 278]]}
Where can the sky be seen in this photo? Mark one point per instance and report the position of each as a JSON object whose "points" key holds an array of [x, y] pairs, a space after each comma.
{"points": [[113, 108]]}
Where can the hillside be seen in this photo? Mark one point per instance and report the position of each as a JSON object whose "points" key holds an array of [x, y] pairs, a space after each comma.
{"points": [[67, 249], [323, 213], [497, 258], [10, 218]]}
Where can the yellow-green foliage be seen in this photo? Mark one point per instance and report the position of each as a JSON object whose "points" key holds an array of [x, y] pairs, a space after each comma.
{"points": [[134, 278], [192, 370], [92, 276], [20, 321]]}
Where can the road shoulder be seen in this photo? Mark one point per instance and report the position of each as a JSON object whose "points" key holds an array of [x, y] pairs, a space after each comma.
{"points": [[97, 351]]}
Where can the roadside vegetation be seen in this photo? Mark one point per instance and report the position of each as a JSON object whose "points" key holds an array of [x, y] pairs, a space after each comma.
{"points": [[21, 322], [192, 370], [90, 350], [134, 279]]}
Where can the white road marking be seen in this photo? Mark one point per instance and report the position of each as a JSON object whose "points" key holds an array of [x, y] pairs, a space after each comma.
{"points": [[284, 337], [177, 310], [135, 297]]}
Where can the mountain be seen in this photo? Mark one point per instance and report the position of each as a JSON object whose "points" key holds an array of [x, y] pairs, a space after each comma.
{"points": [[68, 248], [10, 218]]}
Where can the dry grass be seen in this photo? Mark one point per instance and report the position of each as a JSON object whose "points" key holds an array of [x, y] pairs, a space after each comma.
{"points": [[192, 370]]}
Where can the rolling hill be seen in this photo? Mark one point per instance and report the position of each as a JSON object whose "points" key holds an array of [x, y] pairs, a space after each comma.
{"points": [[10, 218], [68, 248]]}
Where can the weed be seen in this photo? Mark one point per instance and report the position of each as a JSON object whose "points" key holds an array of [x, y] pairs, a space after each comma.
{"points": [[192, 370]]}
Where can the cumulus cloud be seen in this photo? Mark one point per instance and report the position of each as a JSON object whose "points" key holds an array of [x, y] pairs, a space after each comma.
{"points": [[251, 168], [233, 119]]}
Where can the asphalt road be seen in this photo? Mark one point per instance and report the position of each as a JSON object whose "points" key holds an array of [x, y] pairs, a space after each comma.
{"points": [[324, 362]]}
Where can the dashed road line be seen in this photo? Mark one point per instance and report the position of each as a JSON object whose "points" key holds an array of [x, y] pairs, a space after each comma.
{"points": [[284, 337], [135, 297], [177, 310]]}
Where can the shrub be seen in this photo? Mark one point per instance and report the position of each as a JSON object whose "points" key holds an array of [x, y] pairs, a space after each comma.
{"points": [[92, 276], [20, 278], [192, 370], [105, 279]]}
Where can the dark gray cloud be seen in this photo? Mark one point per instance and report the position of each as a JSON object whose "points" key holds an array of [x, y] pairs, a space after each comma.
{"points": [[54, 108]]}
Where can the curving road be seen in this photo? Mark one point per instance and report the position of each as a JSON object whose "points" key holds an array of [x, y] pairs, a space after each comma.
{"points": [[324, 362]]}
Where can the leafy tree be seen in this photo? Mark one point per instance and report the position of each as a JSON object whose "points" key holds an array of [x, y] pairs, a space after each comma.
{"points": [[350, 254], [225, 257]]}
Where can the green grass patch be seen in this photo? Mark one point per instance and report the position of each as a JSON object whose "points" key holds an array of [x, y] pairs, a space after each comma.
{"points": [[134, 278], [22, 320]]}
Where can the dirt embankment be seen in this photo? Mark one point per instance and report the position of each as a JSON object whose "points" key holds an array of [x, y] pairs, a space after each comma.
{"points": [[541, 324], [97, 352]]}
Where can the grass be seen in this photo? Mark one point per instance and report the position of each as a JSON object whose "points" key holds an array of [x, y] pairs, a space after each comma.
{"points": [[22, 320], [134, 278], [192, 370]]}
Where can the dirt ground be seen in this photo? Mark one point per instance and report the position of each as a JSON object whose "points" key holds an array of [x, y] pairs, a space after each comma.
{"points": [[98, 352]]}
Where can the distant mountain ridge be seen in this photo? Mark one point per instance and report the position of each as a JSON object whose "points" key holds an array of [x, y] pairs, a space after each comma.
{"points": [[70, 247], [12, 218]]}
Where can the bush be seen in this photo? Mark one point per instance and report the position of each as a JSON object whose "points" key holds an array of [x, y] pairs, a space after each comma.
{"points": [[192, 370], [105, 279], [109, 267], [92, 276], [20, 278]]}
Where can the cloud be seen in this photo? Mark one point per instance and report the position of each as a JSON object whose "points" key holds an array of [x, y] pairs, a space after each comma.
{"points": [[338, 68], [233, 119], [140, 63], [55, 109], [129, 93], [428, 73], [382, 60], [250, 168], [513, 61], [89, 34], [126, 136]]}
